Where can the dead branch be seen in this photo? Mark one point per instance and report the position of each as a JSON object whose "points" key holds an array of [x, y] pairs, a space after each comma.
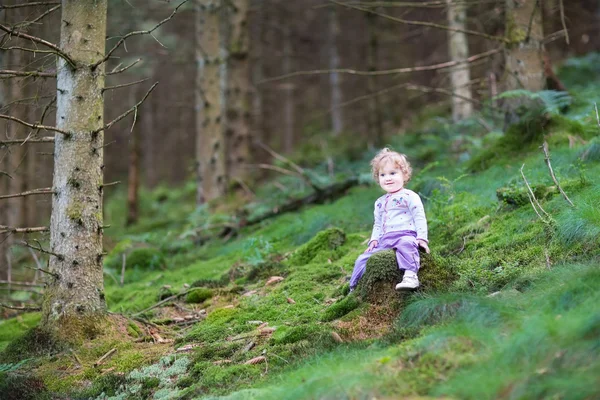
{"points": [[104, 357], [409, 4], [160, 303], [123, 85], [26, 284], [45, 13], [34, 4], [28, 193], [427, 89], [35, 39], [272, 168], [34, 126], [41, 249], [533, 199], [21, 308], [547, 160], [118, 71], [11, 74], [37, 132], [136, 33], [421, 23], [109, 184], [47, 139], [444, 65], [7, 229], [45, 271], [126, 113]]}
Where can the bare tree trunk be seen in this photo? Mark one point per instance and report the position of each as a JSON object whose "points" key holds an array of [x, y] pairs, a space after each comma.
{"points": [[524, 61], [211, 56], [288, 88], [337, 118], [150, 138], [238, 116], [374, 105], [74, 298], [257, 120], [459, 50], [133, 181]]}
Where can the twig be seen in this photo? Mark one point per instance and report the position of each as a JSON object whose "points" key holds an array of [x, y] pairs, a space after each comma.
{"points": [[562, 19], [123, 85], [34, 126], [6, 229], [21, 308], [27, 284], [47, 12], [11, 73], [110, 184], [444, 65], [41, 250], [33, 4], [104, 357], [272, 168], [123, 269], [28, 193], [76, 358], [37, 262], [120, 117], [47, 139], [533, 199], [421, 23], [130, 34], [118, 71], [43, 270], [547, 160], [35, 39]]}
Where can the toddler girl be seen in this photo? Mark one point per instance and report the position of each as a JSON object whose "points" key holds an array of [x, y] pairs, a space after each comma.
{"points": [[400, 222]]}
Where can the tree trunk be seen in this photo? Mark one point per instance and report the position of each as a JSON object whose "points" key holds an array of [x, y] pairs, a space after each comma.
{"points": [[337, 118], [288, 88], [211, 57], [74, 301], [238, 116], [133, 181], [374, 106], [256, 43], [460, 76], [524, 61]]}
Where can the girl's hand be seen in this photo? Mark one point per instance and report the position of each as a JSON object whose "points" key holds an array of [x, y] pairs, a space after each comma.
{"points": [[372, 245], [424, 245]]}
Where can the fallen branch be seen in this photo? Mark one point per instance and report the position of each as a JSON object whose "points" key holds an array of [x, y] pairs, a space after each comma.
{"points": [[547, 160], [33, 4], [104, 357], [160, 303], [533, 199], [28, 193]]}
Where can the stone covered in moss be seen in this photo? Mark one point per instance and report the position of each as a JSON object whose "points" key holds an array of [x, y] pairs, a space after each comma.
{"points": [[199, 295], [341, 308], [325, 245], [377, 286], [435, 274]]}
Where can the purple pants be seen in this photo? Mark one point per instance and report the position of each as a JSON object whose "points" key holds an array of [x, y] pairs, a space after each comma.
{"points": [[407, 253]]}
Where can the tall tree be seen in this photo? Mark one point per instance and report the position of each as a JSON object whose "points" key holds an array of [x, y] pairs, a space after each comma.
{"points": [[133, 173], [238, 115], [289, 104], [74, 297], [211, 88], [375, 118], [458, 46]]}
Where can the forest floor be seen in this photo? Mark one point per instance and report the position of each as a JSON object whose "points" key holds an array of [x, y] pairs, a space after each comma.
{"points": [[511, 309]]}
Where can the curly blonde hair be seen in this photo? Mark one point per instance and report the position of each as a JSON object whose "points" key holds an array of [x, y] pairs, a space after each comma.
{"points": [[398, 159]]}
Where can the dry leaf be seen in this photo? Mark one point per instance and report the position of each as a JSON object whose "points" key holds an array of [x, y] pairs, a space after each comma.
{"points": [[178, 319], [290, 300], [256, 360], [336, 337], [250, 293], [229, 306], [274, 279], [267, 331], [188, 317], [262, 325]]}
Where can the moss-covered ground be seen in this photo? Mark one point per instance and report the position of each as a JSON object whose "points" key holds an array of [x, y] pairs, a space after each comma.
{"points": [[508, 307]]}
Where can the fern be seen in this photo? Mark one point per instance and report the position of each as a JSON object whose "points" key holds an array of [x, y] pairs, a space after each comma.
{"points": [[544, 102], [12, 367]]}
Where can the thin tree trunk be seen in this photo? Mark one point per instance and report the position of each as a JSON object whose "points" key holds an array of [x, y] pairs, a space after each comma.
{"points": [[257, 120], [288, 88], [133, 181], [459, 50], [150, 138], [211, 78], [74, 298], [337, 118], [374, 105], [238, 116]]}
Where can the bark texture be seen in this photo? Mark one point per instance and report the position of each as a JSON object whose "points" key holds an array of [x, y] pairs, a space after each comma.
{"points": [[238, 115], [523, 55], [76, 293], [211, 88], [458, 46], [337, 118], [133, 173]]}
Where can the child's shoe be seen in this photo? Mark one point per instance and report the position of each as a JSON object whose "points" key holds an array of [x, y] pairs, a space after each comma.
{"points": [[409, 282]]}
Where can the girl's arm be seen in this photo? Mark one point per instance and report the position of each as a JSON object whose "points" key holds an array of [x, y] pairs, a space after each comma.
{"points": [[418, 213], [377, 222]]}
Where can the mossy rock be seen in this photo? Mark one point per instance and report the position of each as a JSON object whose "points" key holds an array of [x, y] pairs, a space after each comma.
{"points": [[36, 342], [18, 386], [518, 195], [325, 244], [436, 274], [378, 284], [199, 295], [341, 308]]}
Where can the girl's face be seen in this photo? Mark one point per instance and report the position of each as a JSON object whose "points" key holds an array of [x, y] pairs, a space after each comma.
{"points": [[391, 178]]}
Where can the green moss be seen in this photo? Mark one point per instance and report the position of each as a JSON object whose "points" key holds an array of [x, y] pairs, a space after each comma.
{"points": [[19, 386], [198, 295], [146, 258], [324, 245], [12, 328], [75, 211], [36, 342], [341, 308], [134, 330], [298, 333], [381, 276], [514, 195]]}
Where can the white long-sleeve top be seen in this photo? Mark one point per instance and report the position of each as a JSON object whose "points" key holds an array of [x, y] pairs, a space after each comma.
{"points": [[399, 211]]}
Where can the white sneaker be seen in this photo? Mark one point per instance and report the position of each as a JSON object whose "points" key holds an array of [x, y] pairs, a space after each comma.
{"points": [[409, 282]]}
